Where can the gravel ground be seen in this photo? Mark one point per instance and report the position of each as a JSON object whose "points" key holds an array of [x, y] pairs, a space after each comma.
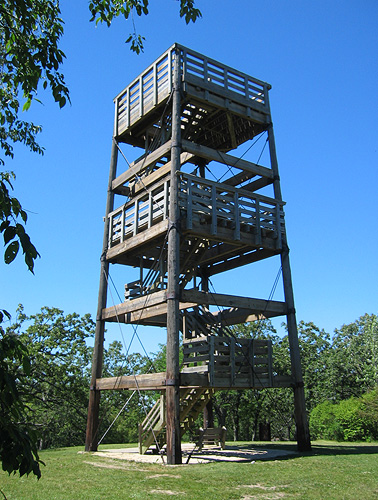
{"points": [[207, 455]]}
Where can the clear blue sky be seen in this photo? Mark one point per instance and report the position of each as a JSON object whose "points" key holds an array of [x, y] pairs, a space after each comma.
{"points": [[321, 59]]}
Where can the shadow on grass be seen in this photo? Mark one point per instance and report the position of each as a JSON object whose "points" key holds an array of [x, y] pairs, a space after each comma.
{"points": [[318, 449]]}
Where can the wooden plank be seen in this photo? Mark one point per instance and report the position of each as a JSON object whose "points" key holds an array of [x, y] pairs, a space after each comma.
{"points": [[239, 178], [158, 174], [156, 381], [145, 381], [134, 305], [234, 97], [141, 165], [217, 299], [216, 268], [227, 159]]}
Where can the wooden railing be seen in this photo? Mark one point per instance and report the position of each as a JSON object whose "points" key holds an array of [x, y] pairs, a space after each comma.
{"points": [[217, 77], [139, 214], [149, 89], [205, 201], [231, 360], [154, 85], [201, 202]]}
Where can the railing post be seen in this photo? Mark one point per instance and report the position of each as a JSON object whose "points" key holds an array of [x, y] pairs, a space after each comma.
{"points": [[258, 224], [136, 217], [128, 107], [155, 84], [123, 224], [140, 96], [278, 226], [150, 209]]}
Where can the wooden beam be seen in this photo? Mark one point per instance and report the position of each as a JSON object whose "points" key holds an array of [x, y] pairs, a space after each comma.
{"points": [[235, 316], [111, 313], [158, 174], [239, 178], [153, 381], [222, 300], [242, 260], [135, 168], [232, 161], [157, 382], [154, 306]]}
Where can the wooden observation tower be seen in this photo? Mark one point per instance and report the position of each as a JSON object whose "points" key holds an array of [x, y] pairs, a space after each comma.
{"points": [[175, 227]]}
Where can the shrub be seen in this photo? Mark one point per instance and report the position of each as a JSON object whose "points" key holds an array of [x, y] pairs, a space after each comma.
{"points": [[351, 425], [322, 421]]}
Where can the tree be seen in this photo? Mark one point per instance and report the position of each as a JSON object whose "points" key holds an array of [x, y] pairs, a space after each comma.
{"points": [[30, 31], [354, 368], [30, 58], [56, 390], [18, 450]]}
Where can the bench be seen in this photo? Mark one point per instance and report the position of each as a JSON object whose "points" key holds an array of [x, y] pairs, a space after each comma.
{"points": [[212, 435]]}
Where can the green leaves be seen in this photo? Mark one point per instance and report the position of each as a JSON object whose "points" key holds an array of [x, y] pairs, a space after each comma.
{"points": [[11, 252], [12, 218], [18, 441], [188, 11], [104, 11], [29, 54]]}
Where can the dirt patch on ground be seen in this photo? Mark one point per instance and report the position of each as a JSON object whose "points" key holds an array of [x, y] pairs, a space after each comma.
{"points": [[120, 466], [272, 495], [166, 492], [164, 475]]}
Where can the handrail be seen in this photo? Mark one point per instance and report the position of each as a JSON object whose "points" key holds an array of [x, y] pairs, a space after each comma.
{"points": [[154, 85], [200, 200]]}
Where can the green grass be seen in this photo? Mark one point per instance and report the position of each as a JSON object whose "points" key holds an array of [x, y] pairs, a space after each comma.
{"points": [[331, 471]]}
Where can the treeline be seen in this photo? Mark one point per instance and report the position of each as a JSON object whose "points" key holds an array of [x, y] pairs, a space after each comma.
{"points": [[339, 371]]}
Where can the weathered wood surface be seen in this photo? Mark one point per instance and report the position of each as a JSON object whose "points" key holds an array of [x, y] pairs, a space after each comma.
{"points": [[151, 381], [223, 300], [249, 218], [154, 304], [187, 379], [227, 159], [141, 165], [202, 77]]}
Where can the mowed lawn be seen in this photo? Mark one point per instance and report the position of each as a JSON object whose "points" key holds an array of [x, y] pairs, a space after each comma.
{"points": [[331, 471]]}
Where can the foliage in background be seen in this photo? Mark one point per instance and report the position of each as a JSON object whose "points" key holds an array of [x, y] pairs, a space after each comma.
{"points": [[352, 419], [18, 450], [55, 392]]}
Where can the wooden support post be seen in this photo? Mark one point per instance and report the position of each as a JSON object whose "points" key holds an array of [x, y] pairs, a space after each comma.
{"points": [[174, 455], [94, 394], [303, 432]]}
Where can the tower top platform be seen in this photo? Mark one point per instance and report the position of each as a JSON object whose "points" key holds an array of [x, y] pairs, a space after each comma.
{"points": [[221, 106]]}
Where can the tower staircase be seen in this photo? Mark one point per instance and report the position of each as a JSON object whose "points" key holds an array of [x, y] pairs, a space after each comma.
{"points": [[152, 429]]}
